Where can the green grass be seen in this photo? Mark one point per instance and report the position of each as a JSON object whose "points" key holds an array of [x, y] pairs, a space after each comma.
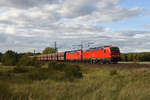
{"points": [[104, 83]]}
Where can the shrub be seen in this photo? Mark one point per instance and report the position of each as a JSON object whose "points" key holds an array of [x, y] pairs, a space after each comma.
{"points": [[39, 74], [43, 74], [113, 72], [70, 71], [1, 56], [20, 69], [56, 66], [52, 64], [5, 75], [10, 58], [26, 61], [73, 71], [55, 71], [36, 63]]}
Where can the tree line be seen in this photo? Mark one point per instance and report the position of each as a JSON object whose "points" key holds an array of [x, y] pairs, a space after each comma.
{"points": [[143, 56], [12, 58]]}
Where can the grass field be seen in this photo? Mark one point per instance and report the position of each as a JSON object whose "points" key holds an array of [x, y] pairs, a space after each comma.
{"points": [[98, 83]]}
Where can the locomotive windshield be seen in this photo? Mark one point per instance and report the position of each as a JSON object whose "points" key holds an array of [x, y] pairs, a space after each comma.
{"points": [[115, 50]]}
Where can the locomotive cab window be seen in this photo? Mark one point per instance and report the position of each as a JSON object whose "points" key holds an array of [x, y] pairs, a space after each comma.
{"points": [[114, 50], [104, 51]]}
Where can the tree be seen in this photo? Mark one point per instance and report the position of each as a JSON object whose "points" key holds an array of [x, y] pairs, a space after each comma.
{"points": [[1, 56], [130, 57], [10, 58], [143, 56], [49, 50]]}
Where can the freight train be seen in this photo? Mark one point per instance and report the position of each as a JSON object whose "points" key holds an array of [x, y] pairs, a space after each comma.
{"points": [[105, 54]]}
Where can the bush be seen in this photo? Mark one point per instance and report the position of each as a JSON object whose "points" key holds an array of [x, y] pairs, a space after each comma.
{"points": [[20, 69], [56, 66], [39, 74], [34, 62], [1, 56], [10, 58], [52, 64], [26, 61], [55, 71], [70, 71], [73, 71], [113, 72], [5, 75]]}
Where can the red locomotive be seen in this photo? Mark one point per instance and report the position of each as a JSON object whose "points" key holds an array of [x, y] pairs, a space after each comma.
{"points": [[105, 54]]}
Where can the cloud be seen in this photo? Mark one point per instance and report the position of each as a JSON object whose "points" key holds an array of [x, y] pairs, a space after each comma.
{"points": [[73, 9], [25, 4], [98, 10], [145, 26], [131, 40], [10, 30], [30, 24], [68, 35], [111, 14], [83, 10]]}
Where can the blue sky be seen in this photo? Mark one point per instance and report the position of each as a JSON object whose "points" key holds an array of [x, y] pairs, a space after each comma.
{"points": [[1, 11], [132, 23], [134, 3]]}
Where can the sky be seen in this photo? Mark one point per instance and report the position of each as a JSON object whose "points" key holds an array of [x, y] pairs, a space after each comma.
{"points": [[28, 25]]}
